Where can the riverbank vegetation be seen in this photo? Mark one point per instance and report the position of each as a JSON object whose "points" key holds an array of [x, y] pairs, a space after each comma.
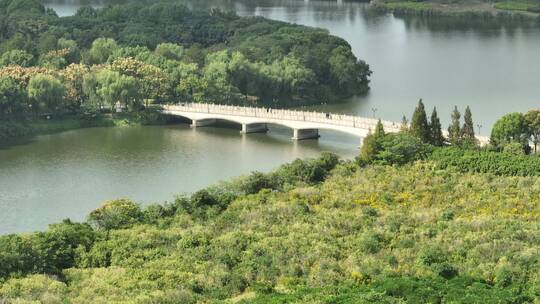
{"points": [[11, 131], [313, 231], [503, 10], [511, 150]]}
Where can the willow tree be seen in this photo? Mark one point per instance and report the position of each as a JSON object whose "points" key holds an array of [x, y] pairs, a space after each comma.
{"points": [[46, 92], [12, 98], [115, 88]]}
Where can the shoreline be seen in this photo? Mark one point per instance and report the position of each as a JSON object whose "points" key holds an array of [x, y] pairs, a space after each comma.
{"points": [[436, 8], [15, 132]]}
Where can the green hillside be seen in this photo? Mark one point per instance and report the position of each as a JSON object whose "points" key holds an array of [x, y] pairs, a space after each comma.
{"points": [[305, 233]]}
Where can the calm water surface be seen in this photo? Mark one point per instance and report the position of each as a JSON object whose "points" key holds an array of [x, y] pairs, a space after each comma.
{"points": [[69, 174], [491, 68]]}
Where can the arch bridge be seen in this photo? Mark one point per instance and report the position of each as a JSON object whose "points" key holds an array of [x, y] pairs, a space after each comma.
{"points": [[305, 124]]}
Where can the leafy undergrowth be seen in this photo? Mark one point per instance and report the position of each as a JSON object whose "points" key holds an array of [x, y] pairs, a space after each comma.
{"points": [[382, 234]]}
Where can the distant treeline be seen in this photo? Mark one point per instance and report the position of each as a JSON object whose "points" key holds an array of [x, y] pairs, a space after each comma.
{"points": [[504, 10]]}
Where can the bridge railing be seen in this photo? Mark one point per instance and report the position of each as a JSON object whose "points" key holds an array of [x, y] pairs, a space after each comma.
{"points": [[285, 114]]}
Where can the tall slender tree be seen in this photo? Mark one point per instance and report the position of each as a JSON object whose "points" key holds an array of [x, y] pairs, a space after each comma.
{"points": [[404, 124], [419, 123], [454, 130], [379, 130], [435, 128], [371, 145], [468, 128]]}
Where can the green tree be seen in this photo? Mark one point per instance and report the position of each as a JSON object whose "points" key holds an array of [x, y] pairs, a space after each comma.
{"points": [[291, 78], [86, 11], [345, 71], [46, 92], [152, 81], [371, 145], [217, 75], [12, 98], [115, 88], [17, 57], [399, 149], [379, 129], [170, 51], [115, 214], [467, 132], [73, 53], [190, 84], [532, 118], [510, 128], [404, 127], [101, 50], [435, 129], [56, 247], [24, 7], [91, 100], [454, 130], [419, 123]]}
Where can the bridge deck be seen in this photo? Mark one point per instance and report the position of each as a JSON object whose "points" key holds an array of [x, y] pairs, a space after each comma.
{"points": [[298, 120]]}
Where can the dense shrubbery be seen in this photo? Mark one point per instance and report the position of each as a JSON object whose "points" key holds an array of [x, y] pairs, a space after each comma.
{"points": [[395, 149], [20, 255], [483, 161], [380, 234], [392, 149], [44, 252]]}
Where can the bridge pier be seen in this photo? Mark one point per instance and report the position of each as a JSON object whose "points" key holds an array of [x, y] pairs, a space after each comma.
{"points": [[300, 134], [202, 122], [254, 128]]}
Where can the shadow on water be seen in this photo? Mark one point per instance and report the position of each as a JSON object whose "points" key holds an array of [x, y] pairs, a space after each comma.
{"points": [[17, 142]]}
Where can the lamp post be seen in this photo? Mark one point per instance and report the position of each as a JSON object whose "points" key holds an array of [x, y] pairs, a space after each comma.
{"points": [[374, 110]]}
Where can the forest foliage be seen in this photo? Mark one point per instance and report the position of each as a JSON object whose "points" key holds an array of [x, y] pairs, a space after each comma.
{"points": [[313, 231], [133, 54]]}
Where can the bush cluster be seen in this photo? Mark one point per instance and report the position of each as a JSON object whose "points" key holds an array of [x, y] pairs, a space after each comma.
{"points": [[484, 161]]}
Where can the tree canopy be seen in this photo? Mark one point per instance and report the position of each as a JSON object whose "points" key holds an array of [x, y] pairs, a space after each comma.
{"points": [[176, 54]]}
